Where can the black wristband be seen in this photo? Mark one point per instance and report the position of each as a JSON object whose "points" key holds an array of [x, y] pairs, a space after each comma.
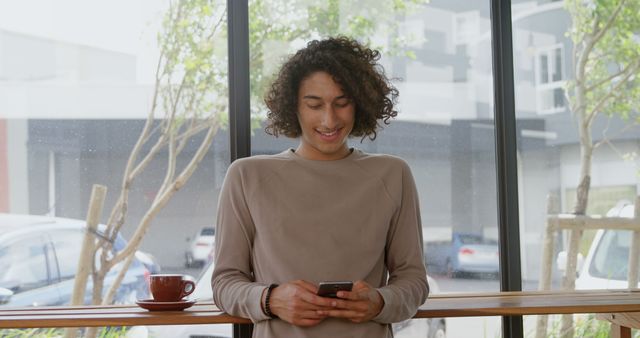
{"points": [[267, 300]]}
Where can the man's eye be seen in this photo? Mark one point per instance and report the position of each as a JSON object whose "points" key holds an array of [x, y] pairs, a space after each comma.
{"points": [[315, 107], [342, 104]]}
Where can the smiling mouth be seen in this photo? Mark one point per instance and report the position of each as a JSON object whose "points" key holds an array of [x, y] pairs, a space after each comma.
{"points": [[329, 133]]}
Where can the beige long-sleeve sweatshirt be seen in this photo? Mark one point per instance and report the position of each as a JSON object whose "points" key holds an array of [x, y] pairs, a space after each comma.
{"points": [[282, 217]]}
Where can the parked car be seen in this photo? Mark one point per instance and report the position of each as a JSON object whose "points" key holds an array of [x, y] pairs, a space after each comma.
{"points": [[200, 246], [39, 258], [464, 253], [434, 327], [149, 261], [606, 265]]}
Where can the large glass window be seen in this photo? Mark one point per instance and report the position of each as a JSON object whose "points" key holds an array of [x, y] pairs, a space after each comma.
{"points": [[549, 145], [574, 130], [78, 83], [439, 54]]}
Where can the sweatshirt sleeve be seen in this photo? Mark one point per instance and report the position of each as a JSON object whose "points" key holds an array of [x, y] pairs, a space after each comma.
{"points": [[234, 289], [407, 286]]}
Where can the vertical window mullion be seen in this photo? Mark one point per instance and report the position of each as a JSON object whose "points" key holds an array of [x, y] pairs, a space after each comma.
{"points": [[239, 85], [239, 97], [506, 158]]}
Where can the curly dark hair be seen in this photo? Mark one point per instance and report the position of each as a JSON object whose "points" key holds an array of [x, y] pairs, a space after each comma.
{"points": [[353, 66]]}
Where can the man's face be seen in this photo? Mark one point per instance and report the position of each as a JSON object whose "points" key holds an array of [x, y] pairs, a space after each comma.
{"points": [[326, 116]]}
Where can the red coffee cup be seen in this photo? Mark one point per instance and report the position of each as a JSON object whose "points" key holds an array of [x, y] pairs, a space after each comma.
{"points": [[171, 287]]}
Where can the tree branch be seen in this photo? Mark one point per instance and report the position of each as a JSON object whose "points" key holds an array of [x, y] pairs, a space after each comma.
{"points": [[126, 182], [603, 81], [591, 115], [143, 226], [108, 297], [601, 32], [605, 138], [171, 166]]}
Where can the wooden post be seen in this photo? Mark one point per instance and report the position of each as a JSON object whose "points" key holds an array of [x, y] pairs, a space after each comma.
{"points": [[576, 224], [546, 264], [621, 323], [618, 331]]}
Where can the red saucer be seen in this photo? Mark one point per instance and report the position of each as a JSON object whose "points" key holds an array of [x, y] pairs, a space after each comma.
{"points": [[153, 305]]}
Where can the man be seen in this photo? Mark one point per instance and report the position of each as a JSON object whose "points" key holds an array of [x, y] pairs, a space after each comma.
{"points": [[324, 211]]}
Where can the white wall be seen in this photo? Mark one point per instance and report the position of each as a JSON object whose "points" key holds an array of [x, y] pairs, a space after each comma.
{"points": [[17, 165]]}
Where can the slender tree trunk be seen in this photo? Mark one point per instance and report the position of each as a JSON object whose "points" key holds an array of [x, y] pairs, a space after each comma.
{"points": [[98, 286], [580, 208]]}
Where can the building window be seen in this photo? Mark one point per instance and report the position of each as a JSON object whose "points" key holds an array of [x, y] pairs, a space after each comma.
{"points": [[466, 27], [550, 79]]}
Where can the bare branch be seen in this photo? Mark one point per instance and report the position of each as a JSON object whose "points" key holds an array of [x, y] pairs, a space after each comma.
{"points": [[183, 143], [193, 164], [605, 138], [108, 297], [171, 166], [217, 25], [119, 209], [160, 143], [143, 226], [126, 182]]}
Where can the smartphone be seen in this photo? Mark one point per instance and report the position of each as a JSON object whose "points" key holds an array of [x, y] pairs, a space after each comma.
{"points": [[330, 289]]}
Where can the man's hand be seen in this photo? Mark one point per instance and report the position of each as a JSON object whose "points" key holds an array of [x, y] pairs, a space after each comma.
{"points": [[359, 305], [297, 303]]}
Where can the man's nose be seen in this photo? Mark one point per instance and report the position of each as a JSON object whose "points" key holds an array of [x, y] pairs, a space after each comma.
{"points": [[329, 118]]}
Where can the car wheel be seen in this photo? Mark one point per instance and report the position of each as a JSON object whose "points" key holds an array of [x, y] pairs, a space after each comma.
{"points": [[437, 329], [188, 261], [451, 273]]}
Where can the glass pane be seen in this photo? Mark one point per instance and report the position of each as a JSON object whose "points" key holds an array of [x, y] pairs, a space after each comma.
{"points": [[611, 256], [66, 245], [558, 98], [78, 84], [24, 265], [439, 53], [557, 62], [561, 172], [544, 68]]}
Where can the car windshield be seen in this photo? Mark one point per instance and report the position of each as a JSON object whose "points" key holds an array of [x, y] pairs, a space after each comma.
{"points": [[208, 232], [476, 239], [611, 258]]}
